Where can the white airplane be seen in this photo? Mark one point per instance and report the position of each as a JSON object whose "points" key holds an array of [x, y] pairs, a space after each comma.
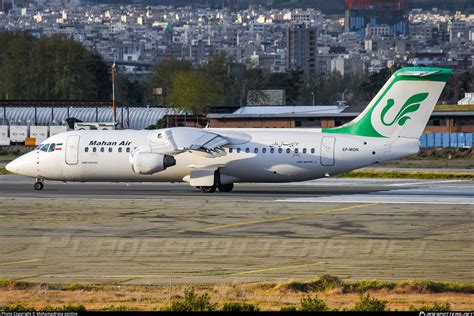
{"points": [[216, 158]]}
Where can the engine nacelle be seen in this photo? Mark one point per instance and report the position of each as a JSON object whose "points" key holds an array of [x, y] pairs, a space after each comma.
{"points": [[149, 163]]}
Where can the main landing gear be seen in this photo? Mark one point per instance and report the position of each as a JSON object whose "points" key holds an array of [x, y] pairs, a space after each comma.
{"points": [[39, 185], [220, 187], [210, 189], [225, 187], [217, 185]]}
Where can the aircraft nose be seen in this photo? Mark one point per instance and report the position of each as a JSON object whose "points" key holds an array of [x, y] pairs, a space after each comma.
{"points": [[22, 165], [11, 166]]}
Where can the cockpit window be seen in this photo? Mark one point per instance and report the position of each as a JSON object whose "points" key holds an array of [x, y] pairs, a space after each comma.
{"points": [[52, 147], [44, 147]]}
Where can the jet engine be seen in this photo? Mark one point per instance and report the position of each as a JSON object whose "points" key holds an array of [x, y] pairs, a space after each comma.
{"points": [[149, 163]]}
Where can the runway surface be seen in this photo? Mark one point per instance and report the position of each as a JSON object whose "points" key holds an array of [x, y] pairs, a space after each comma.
{"points": [[322, 190], [149, 233]]}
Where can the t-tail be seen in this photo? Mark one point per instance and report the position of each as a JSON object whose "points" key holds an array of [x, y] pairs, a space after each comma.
{"points": [[402, 107]]}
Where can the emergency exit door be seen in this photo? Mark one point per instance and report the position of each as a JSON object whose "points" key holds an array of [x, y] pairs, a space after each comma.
{"points": [[72, 150], [327, 151]]}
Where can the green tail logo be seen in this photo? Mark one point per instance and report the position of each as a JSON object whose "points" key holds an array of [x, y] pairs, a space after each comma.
{"points": [[411, 105]]}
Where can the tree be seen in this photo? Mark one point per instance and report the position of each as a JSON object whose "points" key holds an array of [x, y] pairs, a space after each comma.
{"points": [[102, 78], [290, 81], [132, 91], [217, 72], [371, 86], [248, 79], [164, 72], [42, 72], [459, 83], [191, 92], [53, 67], [330, 90], [72, 78], [15, 77]]}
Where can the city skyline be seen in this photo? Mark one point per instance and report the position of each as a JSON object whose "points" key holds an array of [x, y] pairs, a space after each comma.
{"points": [[366, 39]]}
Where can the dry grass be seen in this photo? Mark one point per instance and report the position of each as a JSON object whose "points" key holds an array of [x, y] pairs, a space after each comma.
{"points": [[267, 296]]}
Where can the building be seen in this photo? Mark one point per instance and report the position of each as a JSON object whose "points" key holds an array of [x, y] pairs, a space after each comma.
{"points": [[6, 5], [468, 99], [445, 119], [302, 48], [452, 5], [348, 66], [379, 14]]}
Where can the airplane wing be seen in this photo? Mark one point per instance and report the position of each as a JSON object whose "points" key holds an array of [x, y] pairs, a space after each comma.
{"points": [[208, 143]]}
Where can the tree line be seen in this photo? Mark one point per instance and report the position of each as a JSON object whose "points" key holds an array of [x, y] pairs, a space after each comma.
{"points": [[222, 82], [60, 68], [49, 68]]}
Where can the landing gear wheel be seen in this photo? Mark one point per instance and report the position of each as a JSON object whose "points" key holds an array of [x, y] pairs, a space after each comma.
{"points": [[211, 189], [38, 186], [225, 187]]}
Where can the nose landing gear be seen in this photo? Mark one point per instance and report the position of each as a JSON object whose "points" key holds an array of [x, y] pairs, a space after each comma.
{"points": [[38, 185]]}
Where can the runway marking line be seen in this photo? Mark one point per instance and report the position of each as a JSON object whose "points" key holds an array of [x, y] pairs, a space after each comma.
{"points": [[279, 268], [280, 218], [17, 262]]}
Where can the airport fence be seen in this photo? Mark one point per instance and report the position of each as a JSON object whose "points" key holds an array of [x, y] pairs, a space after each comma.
{"points": [[446, 140]]}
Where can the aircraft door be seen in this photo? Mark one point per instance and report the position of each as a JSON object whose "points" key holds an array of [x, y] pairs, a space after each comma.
{"points": [[327, 151], [72, 150]]}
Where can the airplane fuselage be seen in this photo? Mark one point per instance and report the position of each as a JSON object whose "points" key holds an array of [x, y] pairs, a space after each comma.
{"points": [[389, 128], [269, 156]]}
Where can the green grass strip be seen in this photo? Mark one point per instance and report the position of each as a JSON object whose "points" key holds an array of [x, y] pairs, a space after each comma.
{"points": [[407, 175]]}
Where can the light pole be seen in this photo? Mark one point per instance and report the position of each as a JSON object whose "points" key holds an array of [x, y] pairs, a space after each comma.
{"points": [[114, 112], [312, 93]]}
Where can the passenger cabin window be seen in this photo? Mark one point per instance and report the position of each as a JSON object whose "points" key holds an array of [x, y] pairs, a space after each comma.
{"points": [[255, 150], [231, 150], [128, 149], [52, 147], [247, 150], [120, 149], [264, 150], [304, 150], [110, 149], [288, 150], [272, 150], [296, 150], [238, 150], [94, 149], [102, 149], [312, 150], [280, 150], [86, 149]]}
